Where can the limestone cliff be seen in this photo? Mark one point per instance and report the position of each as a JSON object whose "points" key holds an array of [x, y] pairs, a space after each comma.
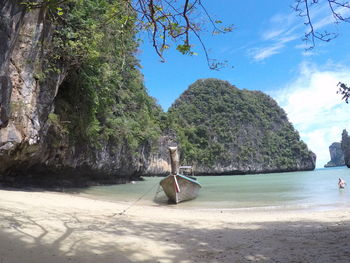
{"points": [[345, 146], [337, 156], [224, 130], [25, 103], [40, 139]]}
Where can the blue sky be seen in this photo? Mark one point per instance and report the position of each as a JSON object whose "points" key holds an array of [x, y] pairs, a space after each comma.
{"points": [[267, 53]]}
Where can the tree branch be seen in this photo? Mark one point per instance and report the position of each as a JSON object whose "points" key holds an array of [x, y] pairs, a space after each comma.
{"points": [[164, 20], [303, 9]]}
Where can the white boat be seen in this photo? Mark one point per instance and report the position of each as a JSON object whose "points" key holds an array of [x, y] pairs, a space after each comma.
{"points": [[179, 187]]}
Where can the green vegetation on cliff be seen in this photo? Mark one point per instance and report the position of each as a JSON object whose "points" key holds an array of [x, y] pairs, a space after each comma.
{"points": [[102, 105], [102, 100], [218, 124]]}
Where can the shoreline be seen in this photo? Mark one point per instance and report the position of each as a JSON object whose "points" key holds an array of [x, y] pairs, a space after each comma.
{"points": [[60, 227], [187, 206]]}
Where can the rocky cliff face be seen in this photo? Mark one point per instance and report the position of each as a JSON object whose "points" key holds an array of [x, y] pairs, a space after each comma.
{"points": [[32, 148], [25, 104], [345, 146], [337, 156]]}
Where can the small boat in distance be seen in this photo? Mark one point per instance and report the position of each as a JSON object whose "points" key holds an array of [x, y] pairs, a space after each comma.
{"points": [[179, 187]]}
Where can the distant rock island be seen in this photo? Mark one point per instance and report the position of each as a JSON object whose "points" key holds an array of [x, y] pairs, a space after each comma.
{"points": [[337, 156], [224, 130]]}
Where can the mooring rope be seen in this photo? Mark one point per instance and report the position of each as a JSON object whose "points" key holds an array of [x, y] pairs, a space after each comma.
{"points": [[138, 199]]}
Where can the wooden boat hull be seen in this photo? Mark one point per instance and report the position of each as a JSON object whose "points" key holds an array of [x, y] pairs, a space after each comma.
{"points": [[187, 188]]}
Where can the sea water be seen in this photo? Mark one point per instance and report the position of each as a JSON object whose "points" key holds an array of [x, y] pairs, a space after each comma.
{"points": [[316, 189]]}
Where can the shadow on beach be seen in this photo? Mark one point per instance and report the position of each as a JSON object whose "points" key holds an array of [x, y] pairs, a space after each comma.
{"points": [[72, 238]]}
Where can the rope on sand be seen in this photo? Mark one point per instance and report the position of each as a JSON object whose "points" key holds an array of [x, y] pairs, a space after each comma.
{"points": [[133, 203]]}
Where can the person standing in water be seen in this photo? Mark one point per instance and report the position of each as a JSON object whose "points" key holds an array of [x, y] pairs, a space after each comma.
{"points": [[341, 183]]}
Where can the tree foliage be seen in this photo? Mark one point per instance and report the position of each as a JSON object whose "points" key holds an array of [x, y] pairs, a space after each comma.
{"points": [[166, 22], [344, 90], [103, 100], [176, 21]]}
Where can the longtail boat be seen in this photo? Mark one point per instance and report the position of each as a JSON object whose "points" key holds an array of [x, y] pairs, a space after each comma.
{"points": [[179, 187]]}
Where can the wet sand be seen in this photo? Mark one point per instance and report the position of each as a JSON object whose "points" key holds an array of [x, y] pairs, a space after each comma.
{"points": [[42, 227]]}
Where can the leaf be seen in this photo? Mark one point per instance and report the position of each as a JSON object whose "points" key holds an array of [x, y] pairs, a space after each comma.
{"points": [[165, 46], [183, 49]]}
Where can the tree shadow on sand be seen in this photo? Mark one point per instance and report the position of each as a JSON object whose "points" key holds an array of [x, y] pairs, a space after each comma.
{"points": [[120, 239]]}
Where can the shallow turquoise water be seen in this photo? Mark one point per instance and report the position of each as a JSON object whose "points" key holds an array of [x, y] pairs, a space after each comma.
{"points": [[296, 190]]}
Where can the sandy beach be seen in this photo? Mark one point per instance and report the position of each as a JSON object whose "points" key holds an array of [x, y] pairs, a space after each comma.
{"points": [[42, 227]]}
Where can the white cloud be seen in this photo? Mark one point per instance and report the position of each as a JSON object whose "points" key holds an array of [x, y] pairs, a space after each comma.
{"points": [[323, 22], [308, 53], [287, 38], [272, 34], [284, 20], [329, 19], [260, 54], [315, 109], [285, 28], [281, 32]]}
